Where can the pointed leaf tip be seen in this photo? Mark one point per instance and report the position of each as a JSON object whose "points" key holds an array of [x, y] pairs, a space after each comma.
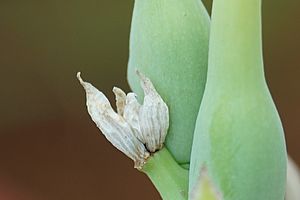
{"points": [[78, 75], [205, 189], [81, 81], [146, 84]]}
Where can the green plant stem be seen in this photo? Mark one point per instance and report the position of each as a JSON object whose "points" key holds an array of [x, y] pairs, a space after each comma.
{"points": [[238, 136], [169, 178], [236, 43]]}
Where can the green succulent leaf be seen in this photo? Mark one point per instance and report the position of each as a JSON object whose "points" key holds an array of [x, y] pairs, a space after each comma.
{"points": [[169, 44]]}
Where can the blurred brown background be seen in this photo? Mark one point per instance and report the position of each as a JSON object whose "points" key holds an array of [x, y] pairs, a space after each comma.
{"points": [[49, 147]]}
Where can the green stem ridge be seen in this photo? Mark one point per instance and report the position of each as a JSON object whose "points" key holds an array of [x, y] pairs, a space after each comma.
{"points": [[168, 177]]}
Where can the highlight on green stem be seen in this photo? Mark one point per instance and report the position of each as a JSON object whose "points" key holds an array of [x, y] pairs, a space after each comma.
{"points": [[169, 43], [238, 134]]}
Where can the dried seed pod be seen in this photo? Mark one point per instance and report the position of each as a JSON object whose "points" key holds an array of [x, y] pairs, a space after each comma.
{"points": [[136, 130], [113, 126]]}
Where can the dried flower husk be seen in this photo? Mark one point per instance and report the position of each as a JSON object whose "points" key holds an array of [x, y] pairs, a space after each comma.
{"points": [[136, 130]]}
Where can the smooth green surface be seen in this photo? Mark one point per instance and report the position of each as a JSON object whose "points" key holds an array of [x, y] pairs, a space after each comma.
{"points": [[238, 134], [169, 44], [168, 177]]}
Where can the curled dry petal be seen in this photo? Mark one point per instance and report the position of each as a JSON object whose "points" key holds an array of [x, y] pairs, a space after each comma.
{"points": [[136, 130], [153, 116], [131, 114], [120, 100], [112, 125]]}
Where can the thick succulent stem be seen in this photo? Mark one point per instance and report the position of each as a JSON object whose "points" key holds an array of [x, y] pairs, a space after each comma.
{"points": [[236, 43], [238, 135], [168, 177]]}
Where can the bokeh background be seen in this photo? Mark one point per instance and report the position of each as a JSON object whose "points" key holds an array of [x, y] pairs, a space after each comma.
{"points": [[49, 147]]}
